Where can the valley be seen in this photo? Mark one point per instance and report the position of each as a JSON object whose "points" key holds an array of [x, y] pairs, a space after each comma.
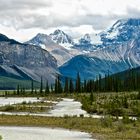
{"points": [[66, 113], [59, 54], [78, 89], [69, 70]]}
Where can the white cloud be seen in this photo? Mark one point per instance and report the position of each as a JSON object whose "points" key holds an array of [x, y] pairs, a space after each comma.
{"points": [[24, 18]]}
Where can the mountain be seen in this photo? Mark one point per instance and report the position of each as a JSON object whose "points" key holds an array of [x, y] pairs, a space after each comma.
{"points": [[86, 39], [130, 73], [119, 49], [127, 80], [85, 44], [4, 38], [62, 38], [90, 67], [25, 62], [111, 51], [122, 31], [61, 53]]}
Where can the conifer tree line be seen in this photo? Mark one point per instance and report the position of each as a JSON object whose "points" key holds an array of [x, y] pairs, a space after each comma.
{"points": [[128, 81], [125, 81]]}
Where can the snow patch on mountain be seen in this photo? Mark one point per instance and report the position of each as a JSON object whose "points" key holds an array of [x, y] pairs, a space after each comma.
{"points": [[118, 50], [62, 38], [112, 35], [61, 53], [95, 39]]}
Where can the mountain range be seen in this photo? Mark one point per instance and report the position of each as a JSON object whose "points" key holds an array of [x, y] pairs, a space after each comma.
{"points": [[113, 50], [58, 44], [25, 62], [119, 49]]}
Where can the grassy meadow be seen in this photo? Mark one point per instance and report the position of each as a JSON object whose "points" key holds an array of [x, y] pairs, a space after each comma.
{"points": [[110, 105], [104, 129]]}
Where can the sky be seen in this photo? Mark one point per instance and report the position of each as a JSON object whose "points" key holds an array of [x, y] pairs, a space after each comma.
{"points": [[23, 19]]}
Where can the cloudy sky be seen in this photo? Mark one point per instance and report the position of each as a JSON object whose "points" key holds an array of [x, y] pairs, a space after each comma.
{"points": [[22, 19]]}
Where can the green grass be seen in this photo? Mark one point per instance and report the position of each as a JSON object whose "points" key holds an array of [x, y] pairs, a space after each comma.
{"points": [[35, 107], [108, 128], [25, 108], [104, 129], [115, 104], [43, 102], [11, 83]]}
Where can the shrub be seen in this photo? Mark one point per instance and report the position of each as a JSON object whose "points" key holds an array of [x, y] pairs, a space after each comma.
{"points": [[106, 121], [120, 127], [126, 119], [9, 108], [81, 115], [24, 102], [66, 116], [138, 96]]}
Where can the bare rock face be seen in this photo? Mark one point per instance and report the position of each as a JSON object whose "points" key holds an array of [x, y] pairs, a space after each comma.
{"points": [[61, 38], [24, 60], [119, 50], [57, 44]]}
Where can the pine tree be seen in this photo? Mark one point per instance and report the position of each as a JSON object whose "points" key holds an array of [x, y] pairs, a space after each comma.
{"points": [[56, 86], [52, 90], [41, 86], [85, 86], [66, 88], [35, 91], [116, 86], [71, 87], [18, 90], [78, 83], [47, 90], [23, 90], [105, 83], [60, 90], [6, 93], [32, 87]]}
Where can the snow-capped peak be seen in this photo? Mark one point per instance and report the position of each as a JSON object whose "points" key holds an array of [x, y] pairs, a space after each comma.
{"points": [[61, 38], [122, 30], [87, 37], [58, 31], [41, 36], [39, 39], [118, 24]]}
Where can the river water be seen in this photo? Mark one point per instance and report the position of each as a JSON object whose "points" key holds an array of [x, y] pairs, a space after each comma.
{"points": [[65, 107], [39, 133]]}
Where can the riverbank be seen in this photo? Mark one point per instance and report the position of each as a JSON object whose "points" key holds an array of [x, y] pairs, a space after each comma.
{"points": [[104, 129], [68, 114], [41, 133]]}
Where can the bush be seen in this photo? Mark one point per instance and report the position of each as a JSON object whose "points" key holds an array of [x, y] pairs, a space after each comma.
{"points": [[126, 119], [9, 108], [81, 115], [115, 111], [120, 127], [107, 121], [138, 96], [24, 103], [66, 116]]}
